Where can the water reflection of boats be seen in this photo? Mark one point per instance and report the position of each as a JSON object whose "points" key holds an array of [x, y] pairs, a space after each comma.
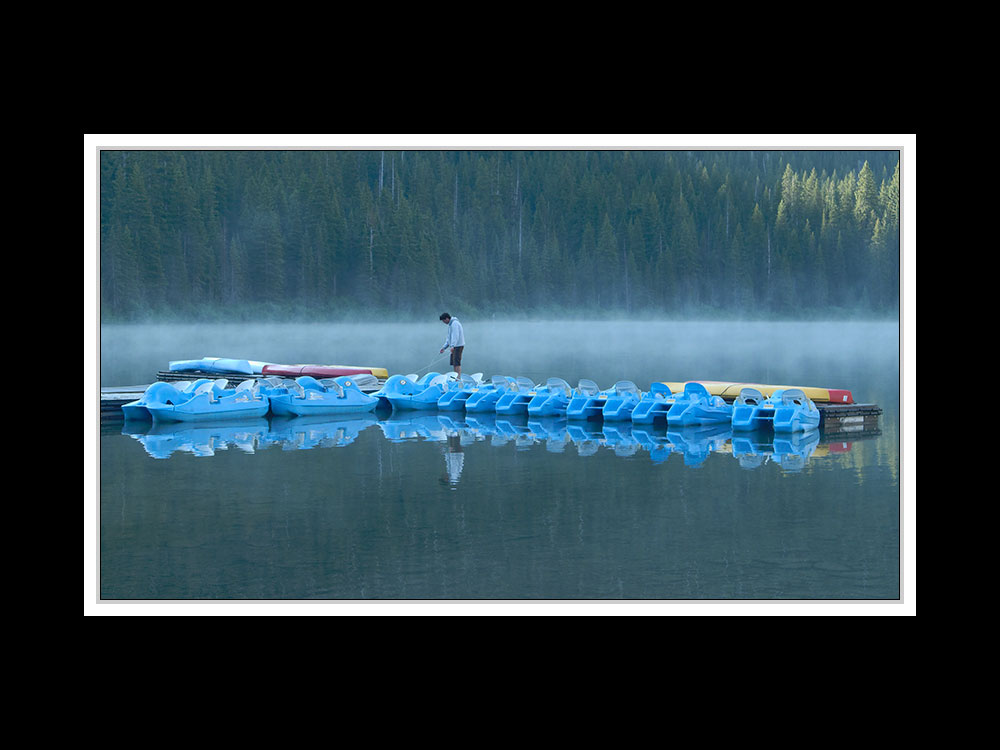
{"points": [[587, 436], [303, 433], [697, 442], [484, 423], [618, 436], [553, 430], [791, 451], [163, 439], [399, 429], [515, 427], [752, 449], [655, 441]]}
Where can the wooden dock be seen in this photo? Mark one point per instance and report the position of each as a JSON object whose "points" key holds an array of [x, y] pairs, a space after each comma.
{"points": [[113, 397], [849, 417]]}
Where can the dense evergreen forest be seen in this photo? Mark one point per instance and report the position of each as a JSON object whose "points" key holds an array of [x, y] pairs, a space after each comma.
{"points": [[389, 233]]}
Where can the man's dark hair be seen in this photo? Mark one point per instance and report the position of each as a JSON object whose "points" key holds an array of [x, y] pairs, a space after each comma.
{"points": [[444, 316]]}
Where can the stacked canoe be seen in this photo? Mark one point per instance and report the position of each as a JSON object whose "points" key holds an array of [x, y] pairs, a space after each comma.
{"points": [[237, 370]]}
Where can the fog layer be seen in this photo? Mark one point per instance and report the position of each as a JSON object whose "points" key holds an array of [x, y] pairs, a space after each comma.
{"points": [[802, 353]]}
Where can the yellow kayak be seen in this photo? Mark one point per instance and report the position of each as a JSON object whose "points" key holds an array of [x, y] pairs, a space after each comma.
{"points": [[730, 390]]}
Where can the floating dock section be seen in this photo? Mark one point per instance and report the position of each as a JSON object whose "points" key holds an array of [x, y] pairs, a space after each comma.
{"points": [[838, 411]]}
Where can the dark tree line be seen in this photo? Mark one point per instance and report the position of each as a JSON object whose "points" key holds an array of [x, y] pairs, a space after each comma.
{"points": [[493, 232]]}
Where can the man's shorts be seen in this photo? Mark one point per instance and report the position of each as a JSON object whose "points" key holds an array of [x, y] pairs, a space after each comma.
{"points": [[456, 356]]}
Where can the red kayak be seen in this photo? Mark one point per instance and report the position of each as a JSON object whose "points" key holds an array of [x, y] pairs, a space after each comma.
{"points": [[323, 371]]}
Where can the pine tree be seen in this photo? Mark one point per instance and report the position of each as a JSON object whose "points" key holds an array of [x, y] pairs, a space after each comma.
{"points": [[653, 229]]}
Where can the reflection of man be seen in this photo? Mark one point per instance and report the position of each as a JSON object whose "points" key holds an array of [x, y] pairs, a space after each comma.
{"points": [[454, 458]]}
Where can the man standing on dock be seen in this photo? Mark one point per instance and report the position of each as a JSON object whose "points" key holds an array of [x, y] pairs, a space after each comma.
{"points": [[455, 340]]}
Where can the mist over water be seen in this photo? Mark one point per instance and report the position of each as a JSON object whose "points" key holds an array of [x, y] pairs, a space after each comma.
{"points": [[817, 353]]}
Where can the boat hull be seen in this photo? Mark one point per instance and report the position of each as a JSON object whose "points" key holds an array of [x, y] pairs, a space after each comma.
{"points": [[548, 405], [585, 407], [651, 410], [753, 417], [619, 409], [483, 402], [200, 409]]}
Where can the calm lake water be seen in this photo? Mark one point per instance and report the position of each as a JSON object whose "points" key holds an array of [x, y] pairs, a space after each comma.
{"points": [[440, 506]]}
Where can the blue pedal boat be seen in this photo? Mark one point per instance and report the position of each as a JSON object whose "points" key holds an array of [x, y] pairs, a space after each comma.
{"points": [[402, 385], [459, 392], [654, 405], [587, 401], [793, 411], [485, 399], [752, 411], [619, 406], [209, 402], [515, 400], [552, 400], [697, 406], [425, 395], [161, 392], [307, 396]]}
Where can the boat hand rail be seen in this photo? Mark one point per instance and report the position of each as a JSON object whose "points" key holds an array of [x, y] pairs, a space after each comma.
{"points": [[625, 386], [795, 396], [332, 385], [750, 396], [660, 390], [440, 380], [554, 384], [248, 390]]}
